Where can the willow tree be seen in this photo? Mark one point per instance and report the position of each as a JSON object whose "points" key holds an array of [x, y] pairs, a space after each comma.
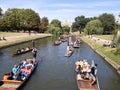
{"points": [[116, 39], [94, 27], [56, 27]]}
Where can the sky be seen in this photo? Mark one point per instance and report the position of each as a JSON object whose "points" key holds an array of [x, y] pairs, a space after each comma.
{"points": [[65, 10]]}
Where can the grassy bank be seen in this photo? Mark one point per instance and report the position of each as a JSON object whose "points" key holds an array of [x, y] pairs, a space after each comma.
{"points": [[106, 51], [14, 38], [106, 37]]}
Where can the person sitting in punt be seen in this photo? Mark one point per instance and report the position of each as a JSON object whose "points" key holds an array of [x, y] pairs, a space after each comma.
{"points": [[24, 63], [15, 69], [77, 62], [18, 51], [22, 50], [30, 64], [34, 61], [85, 62], [75, 43], [26, 70], [7, 76], [27, 49]]}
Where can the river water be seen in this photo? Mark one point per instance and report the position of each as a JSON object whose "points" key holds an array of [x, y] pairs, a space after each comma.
{"points": [[56, 72]]}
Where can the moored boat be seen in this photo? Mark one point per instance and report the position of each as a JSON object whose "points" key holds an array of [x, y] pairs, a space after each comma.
{"points": [[16, 84]]}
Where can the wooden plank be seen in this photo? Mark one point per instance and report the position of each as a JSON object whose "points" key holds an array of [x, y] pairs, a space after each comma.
{"points": [[11, 82]]}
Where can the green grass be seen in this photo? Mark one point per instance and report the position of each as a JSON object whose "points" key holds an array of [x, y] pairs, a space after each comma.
{"points": [[106, 37], [11, 34], [20, 39], [107, 51]]}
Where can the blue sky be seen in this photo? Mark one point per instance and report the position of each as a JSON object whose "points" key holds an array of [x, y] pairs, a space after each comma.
{"points": [[65, 9]]}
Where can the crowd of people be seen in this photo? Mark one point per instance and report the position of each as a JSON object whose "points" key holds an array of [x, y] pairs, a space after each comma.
{"points": [[85, 71], [21, 71]]}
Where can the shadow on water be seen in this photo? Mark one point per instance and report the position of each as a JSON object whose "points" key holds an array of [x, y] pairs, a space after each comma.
{"points": [[56, 72]]}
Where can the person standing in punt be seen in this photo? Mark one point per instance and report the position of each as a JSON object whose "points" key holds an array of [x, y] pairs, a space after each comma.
{"points": [[33, 43], [93, 72], [34, 51]]}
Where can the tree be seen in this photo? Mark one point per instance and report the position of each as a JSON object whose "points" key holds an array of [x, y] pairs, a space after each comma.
{"points": [[116, 38], [31, 20], [0, 11], [108, 22], [55, 27], [66, 29], [56, 23], [21, 19], [44, 24], [94, 27], [80, 23]]}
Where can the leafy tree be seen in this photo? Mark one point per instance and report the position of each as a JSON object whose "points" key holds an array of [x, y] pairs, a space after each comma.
{"points": [[50, 29], [94, 27], [55, 27], [31, 20], [108, 22], [66, 29], [53, 30], [56, 23], [21, 19], [44, 24], [0, 11], [116, 38], [80, 23]]}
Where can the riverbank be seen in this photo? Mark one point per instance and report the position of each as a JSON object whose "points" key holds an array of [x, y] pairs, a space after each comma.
{"points": [[106, 52], [12, 38]]}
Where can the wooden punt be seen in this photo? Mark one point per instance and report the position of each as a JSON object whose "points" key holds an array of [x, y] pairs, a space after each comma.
{"points": [[69, 54], [56, 43], [76, 45], [15, 84], [85, 84], [14, 54]]}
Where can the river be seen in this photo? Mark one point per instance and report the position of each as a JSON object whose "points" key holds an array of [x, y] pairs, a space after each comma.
{"points": [[56, 72]]}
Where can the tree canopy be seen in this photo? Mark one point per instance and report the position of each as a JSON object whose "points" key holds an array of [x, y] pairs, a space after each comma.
{"points": [[0, 11], [108, 22], [80, 23], [20, 19], [44, 24], [94, 27], [54, 27]]}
